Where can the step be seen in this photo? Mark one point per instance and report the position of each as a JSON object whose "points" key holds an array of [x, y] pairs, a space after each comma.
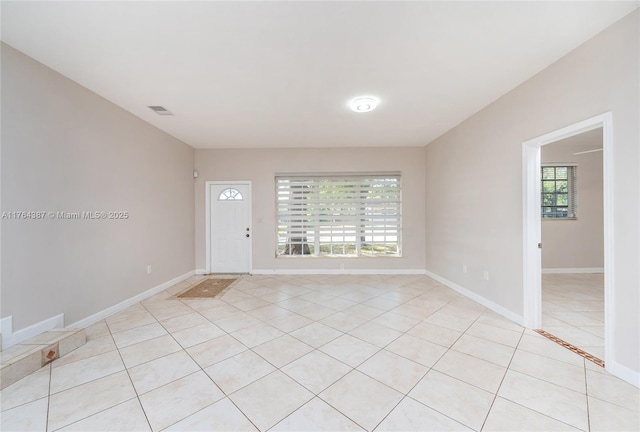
{"points": [[27, 357]]}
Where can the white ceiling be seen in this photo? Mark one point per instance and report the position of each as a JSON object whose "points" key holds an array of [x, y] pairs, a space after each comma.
{"points": [[591, 138], [280, 74]]}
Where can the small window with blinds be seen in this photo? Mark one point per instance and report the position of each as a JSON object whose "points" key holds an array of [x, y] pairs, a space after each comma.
{"points": [[559, 195], [339, 215]]}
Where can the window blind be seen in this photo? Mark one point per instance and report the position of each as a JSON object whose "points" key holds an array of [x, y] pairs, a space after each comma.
{"points": [[339, 215]]}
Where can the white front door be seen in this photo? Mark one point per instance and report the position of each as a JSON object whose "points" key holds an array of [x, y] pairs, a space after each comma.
{"points": [[230, 227]]}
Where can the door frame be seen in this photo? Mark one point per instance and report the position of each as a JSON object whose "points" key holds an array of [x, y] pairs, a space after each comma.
{"points": [[207, 189], [532, 262]]}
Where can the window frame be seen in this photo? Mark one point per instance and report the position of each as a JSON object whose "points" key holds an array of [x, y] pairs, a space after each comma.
{"points": [[359, 213], [571, 193]]}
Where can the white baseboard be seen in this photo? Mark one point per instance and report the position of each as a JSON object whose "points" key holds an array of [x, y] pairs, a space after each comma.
{"points": [[573, 270], [623, 372], [6, 329], [6, 325], [201, 271], [10, 338], [518, 319], [337, 272], [99, 316]]}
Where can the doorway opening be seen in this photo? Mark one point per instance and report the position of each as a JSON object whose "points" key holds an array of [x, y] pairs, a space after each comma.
{"points": [[573, 242], [563, 274]]}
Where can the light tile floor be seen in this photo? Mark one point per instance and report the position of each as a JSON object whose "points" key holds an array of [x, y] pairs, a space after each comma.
{"points": [[291, 353], [573, 310]]}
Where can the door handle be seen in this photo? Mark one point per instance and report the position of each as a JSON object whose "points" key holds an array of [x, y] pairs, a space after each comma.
{"points": [[247, 235]]}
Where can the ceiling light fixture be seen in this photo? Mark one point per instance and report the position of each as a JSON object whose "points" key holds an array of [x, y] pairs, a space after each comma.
{"points": [[363, 104]]}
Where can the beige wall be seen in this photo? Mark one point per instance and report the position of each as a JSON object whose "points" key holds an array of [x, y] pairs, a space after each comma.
{"points": [[579, 243], [260, 167], [66, 149], [474, 177]]}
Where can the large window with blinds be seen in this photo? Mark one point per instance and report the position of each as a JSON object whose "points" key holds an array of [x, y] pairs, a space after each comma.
{"points": [[559, 195], [339, 215]]}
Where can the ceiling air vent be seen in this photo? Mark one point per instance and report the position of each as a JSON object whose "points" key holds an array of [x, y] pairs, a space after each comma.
{"points": [[160, 110]]}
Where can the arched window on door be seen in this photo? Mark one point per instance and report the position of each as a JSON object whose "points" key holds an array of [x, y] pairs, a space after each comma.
{"points": [[230, 194]]}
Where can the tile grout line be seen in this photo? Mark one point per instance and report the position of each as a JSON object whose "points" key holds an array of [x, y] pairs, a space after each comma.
{"points": [[46, 425], [495, 395], [335, 408], [144, 412], [586, 396]]}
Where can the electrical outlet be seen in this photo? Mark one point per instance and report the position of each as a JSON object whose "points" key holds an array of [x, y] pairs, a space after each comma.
{"points": [[464, 268], [486, 275], [149, 269]]}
